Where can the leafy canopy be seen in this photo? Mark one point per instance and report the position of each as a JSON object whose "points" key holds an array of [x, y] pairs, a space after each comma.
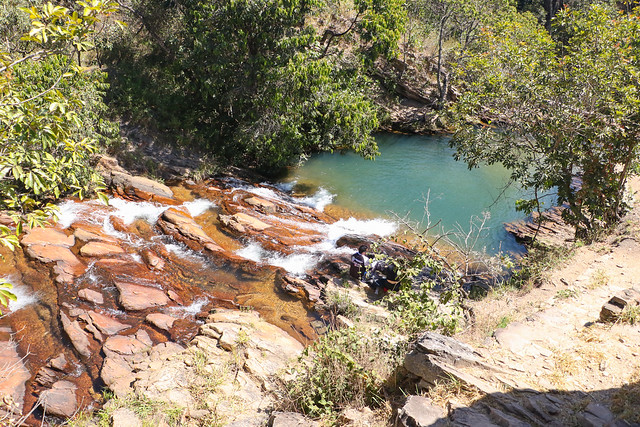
{"points": [[564, 108], [47, 114], [254, 81]]}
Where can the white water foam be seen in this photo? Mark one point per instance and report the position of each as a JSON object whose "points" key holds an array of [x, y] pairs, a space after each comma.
{"points": [[306, 257], [23, 294], [194, 308], [380, 227], [253, 252], [68, 213], [198, 206], [130, 211], [319, 200], [297, 263]]}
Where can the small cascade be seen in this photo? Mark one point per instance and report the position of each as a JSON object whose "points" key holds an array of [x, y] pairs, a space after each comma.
{"points": [[147, 270]]}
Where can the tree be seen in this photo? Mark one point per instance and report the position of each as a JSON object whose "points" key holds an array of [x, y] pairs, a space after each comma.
{"points": [[255, 82], [45, 145], [564, 110], [455, 21]]}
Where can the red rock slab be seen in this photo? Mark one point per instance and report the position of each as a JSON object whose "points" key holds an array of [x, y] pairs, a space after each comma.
{"points": [[91, 232], [161, 321], [250, 221], [264, 205], [100, 249], [106, 324], [51, 253], [183, 227], [60, 400], [91, 296], [117, 375], [153, 261], [49, 237], [13, 373], [139, 297], [124, 345], [78, 337], [60, 362]]}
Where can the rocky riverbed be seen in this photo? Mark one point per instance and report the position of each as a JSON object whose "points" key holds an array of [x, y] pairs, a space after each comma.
{"points": [[108, 290]]}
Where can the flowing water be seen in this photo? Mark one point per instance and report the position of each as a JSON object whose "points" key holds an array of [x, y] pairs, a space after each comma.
{"points": [[410, 169]]}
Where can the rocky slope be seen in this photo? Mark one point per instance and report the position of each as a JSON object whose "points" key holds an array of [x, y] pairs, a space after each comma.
{"points": [[554, 355], [124, 297]]}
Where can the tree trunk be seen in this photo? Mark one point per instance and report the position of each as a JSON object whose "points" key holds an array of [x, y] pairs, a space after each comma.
{"points": [[442, 80]]}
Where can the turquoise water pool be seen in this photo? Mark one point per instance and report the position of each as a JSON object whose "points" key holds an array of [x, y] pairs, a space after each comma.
{"points": [[410, 169]]}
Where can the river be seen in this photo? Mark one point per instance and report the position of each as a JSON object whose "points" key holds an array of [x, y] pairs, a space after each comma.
{"points": [[409, 169]]}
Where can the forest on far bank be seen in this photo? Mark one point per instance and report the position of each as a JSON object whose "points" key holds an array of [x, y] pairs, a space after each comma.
{"points": [[548, 88]]}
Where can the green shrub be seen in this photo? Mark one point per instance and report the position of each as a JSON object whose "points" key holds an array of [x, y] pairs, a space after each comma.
{"points": [[415, 310], [346, 367]]}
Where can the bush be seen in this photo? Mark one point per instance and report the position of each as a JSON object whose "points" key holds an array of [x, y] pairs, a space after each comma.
{"points": [[415, 310], [344, 368]]}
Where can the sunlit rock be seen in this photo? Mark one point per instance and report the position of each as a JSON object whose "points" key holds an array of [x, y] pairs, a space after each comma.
{"points": [[161, 321], [137, 297], [100, 249], [91, 296], [61, 399], [78, 337]]}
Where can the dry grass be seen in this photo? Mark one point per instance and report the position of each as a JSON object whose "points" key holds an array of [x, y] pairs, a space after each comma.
{"points": [[573, 363], [630, 315], [590, 334], [626, 401], [599, 279], [454, 390]]}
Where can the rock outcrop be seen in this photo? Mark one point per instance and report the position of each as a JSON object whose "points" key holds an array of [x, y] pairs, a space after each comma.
{"points": [[227, 367]]}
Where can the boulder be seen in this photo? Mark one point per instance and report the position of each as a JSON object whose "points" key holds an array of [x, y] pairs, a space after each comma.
{"points": [[613, 308], [78, 337], [47, 237], [106, 324], [100, 249], [91, 296], [138, 297], [60, 362], [420, 411], [60, 399], [136, 184], [161, 321]]}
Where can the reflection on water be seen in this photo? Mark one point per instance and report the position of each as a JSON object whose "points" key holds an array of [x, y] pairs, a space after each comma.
{"points": [[409, 170]]}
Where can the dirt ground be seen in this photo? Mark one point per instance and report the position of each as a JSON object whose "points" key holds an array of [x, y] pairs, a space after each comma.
{"points": [[551, 335]]}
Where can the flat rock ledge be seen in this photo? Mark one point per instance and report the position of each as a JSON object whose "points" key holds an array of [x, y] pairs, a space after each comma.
{"points": [[435, 357], [224, 374]]}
